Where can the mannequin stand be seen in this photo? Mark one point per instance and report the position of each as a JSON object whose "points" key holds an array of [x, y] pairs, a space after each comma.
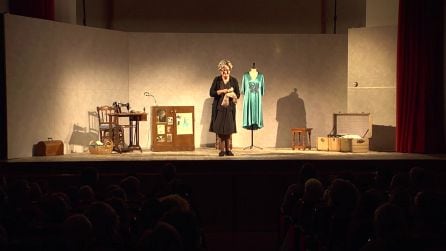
{"points": [[252, 142]]}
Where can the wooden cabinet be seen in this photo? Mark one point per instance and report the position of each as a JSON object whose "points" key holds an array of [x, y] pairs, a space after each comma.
{"points": [[173, 128]]}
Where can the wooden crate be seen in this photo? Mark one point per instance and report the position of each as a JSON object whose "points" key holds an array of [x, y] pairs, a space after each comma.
{"points": [[322, 143], [354, 145], [360, 145], [346, 145], [334, 144]]}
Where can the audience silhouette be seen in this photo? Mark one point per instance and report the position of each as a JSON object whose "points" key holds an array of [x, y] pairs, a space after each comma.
{"points": [[319, 212]]}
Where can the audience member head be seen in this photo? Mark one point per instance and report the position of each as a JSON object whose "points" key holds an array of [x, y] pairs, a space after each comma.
{"points": [[174, 202], [115, 191], [418, 179], [73, 194], [168, 171], [383, 176], [402, 198], [18, 192], [55, 208], [164, 237], [185, 222], [431, 209], [369, 202], [390, 224], [104, 219], [343, 195], [86, 195], [151, 212], [400, 180], [78, 230], [35, 191], [121, 209], [312, 191], [89, 176], [306, 172], [131, 186]]}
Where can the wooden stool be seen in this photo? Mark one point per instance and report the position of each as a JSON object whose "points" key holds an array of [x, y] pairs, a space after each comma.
{"points": [[301, 133]]}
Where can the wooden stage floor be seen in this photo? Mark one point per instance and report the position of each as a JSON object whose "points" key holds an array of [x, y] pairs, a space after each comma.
{"points": [[200, 154]]}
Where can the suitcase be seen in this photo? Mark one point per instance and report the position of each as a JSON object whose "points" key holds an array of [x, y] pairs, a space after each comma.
{"points": [[48, 148]]}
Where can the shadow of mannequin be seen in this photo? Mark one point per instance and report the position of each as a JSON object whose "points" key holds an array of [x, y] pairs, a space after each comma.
{"points": [[290, 113], [207, 139]]}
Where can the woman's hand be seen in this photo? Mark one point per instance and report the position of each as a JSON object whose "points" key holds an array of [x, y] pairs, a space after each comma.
{"points": [[222, 91]]}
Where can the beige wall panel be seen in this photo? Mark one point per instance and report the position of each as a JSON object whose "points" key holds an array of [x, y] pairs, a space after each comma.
{"points": [[304, 74], [372, 65], [379, 102], [372, 56], [56, 74], [53, 66]]}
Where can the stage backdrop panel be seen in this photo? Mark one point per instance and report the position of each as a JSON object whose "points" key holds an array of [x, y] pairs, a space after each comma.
{"points": [[305, 79], [56, 75], [372, 79]]}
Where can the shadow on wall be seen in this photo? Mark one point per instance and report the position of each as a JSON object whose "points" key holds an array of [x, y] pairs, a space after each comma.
{"points": [[383, 139], [207, 139], [290, 113], [81, 137]]}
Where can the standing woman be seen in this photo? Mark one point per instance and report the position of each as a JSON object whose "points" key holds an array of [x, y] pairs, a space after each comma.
{"points": [[224, 88]]}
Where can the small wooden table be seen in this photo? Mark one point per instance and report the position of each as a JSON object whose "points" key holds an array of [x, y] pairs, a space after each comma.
{"points": [[301, 132]]}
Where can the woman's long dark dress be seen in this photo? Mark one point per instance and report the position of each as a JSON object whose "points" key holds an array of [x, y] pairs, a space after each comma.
{"points": [[223, 118]]}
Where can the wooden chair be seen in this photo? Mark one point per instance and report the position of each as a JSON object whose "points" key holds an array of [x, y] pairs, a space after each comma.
{"points": [[104, 121]]}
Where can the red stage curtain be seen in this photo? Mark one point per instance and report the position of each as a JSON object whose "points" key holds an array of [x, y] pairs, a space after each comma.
{"points": [[420, 111], [43, 9]]}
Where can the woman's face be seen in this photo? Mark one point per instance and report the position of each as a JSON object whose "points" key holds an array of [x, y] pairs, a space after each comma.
{"points": [[225, 72]]}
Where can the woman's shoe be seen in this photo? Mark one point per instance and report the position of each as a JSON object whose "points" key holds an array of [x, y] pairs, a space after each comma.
{"points": [[221, 153], [229, 153]]}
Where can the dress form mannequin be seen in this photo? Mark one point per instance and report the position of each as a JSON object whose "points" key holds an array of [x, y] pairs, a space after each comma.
{"points": [[253, 73], [251, 89]]}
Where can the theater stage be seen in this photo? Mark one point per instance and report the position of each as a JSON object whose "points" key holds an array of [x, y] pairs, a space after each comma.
{"points": [[206, 159]]}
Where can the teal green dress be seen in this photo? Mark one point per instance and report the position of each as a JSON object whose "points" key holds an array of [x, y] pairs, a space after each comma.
{"points": [[253, 90]]}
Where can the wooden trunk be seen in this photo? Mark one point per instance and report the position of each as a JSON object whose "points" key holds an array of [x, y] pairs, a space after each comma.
{"points": [[48, 148]]}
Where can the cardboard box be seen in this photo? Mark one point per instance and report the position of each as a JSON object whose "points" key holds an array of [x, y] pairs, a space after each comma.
{"points": [[334, 144], [322, 143]]}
